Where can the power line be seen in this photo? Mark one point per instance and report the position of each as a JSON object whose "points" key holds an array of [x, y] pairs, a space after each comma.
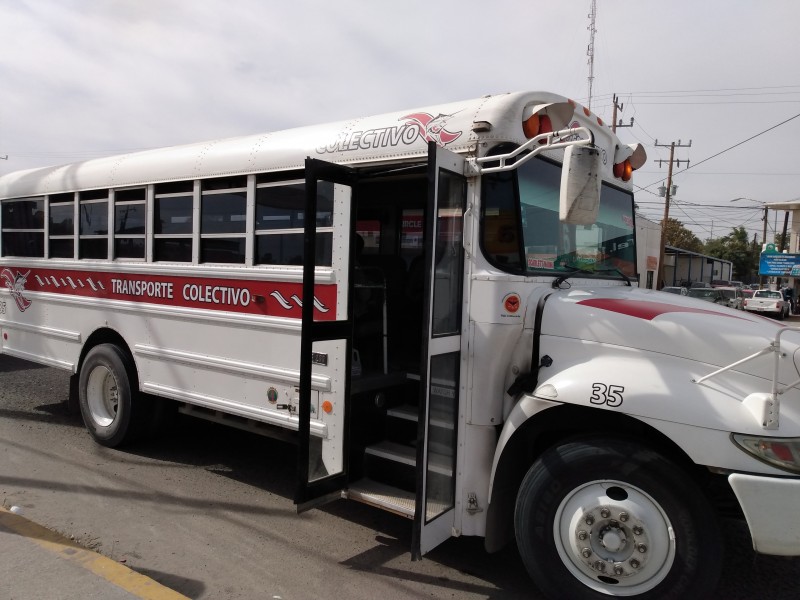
{"points": [[740, 143], [725, 150], [777, 87]]}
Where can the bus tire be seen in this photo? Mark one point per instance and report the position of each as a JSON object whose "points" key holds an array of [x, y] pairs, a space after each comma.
{"points": [[600, 518], [106, 396]]}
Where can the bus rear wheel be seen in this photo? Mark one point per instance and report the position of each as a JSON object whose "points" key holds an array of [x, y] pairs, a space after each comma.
{"points": [[607, 518], [106, 396]]}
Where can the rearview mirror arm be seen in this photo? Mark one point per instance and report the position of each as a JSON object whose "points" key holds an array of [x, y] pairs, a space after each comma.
{"points": [[475, 164]]}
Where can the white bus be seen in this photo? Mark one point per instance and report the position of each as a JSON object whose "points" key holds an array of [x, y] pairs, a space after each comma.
{"points": [[436, 306]]}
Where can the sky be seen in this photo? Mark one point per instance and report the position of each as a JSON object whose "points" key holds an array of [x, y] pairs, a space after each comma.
{"points": [[86, 78]]}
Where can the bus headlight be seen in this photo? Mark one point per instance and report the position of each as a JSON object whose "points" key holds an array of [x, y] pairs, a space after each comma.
{"points": [[783, 453]]}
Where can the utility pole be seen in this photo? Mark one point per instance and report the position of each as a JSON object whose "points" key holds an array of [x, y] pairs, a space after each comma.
{"points": [[590, 50], [669, 190], [614, 124], [783, 235]]}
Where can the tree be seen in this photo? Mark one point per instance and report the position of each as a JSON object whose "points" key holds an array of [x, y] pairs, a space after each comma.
{"points": [[676, 235], [738, 249]]}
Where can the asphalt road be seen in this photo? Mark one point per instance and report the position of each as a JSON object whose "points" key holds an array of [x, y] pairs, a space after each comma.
{"points": [[207, 511]]}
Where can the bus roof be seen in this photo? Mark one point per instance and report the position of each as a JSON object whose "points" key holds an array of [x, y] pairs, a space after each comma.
{"points": [[401, 135]]}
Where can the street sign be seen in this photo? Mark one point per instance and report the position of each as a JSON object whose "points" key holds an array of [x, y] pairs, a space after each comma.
{"points": [[779, 265]]}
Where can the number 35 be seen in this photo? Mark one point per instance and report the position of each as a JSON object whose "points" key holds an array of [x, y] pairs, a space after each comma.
{"points": [[606, 394]]}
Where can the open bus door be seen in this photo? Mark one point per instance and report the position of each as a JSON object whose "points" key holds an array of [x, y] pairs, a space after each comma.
{"points": [[434, 515], [326, 337]]}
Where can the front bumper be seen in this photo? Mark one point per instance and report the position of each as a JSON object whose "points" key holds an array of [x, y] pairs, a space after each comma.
{"points": [[770, 506]]}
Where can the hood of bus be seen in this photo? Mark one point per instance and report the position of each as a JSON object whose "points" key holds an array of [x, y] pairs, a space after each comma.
{"points": [[670, 325]]}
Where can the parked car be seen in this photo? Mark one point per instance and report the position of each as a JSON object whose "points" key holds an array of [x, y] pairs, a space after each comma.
{"points": [[746, 293], [700, 284], [675, 290], [733, 296], [710, 294], [767, 301], [726, 283], [788, 298]]}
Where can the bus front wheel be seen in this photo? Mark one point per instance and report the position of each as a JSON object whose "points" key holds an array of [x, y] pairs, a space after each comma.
{"points": [[604, 518], [106, 395]]}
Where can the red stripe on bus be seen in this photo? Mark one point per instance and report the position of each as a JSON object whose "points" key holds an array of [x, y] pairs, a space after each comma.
{"points": [[645, 310], [248, 296]]}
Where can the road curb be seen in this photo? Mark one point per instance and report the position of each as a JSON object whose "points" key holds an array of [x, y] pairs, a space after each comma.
{"points": [[61, 548]]}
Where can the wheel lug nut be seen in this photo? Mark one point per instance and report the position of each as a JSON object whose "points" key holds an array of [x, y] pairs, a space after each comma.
{"points": [[582, 535], [605, 513], [641, 548], [600, 566], [623, 516], [638, 530], [589, 520], [618, 570], [634, 563], [586, 553]]}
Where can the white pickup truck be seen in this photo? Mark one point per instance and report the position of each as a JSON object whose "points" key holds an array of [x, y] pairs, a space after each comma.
{"points": [[767, 301]]}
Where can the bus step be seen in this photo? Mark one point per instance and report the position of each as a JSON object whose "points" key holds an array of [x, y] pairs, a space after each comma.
{"points": [[391, 463], [381, 495], [395, 464], [408, 412]]}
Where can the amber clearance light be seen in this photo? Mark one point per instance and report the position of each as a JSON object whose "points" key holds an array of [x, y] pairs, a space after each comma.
{"points": [[623, 170], [627, 159], [536, 125]]}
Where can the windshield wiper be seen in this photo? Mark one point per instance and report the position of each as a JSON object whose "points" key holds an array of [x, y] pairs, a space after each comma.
{"points": [[573, 270], [618, 272]]}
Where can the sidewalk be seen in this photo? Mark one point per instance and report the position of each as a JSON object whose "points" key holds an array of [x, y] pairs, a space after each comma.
{"points": [[38, 563]]}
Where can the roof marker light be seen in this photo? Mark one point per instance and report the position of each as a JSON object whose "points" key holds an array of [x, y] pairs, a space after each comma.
{"points": [[530, 127], [623, 170]]}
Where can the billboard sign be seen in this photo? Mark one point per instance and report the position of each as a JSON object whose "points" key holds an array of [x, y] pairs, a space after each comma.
{"points": [[778, 265]]}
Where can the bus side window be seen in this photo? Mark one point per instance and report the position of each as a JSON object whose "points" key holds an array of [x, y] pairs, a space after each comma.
{"points": [[62, 226], [129, 223], [279, 224], [93, 225], [499, 223], [23, 227], [223, 209], [172, 225]]}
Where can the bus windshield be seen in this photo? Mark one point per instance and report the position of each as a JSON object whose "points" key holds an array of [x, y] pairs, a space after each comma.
{"points": [[522, 231]]}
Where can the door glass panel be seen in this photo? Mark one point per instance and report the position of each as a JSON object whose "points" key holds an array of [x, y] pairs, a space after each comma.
{"points": [[440, 490], [449, 257], [325, 333]]}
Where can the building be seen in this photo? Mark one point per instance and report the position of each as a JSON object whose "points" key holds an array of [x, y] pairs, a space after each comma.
{"points": [[681, 267]]}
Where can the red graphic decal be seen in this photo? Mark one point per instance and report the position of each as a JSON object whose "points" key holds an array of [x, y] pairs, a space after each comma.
{"points": [[645, 310], [280, 299], [511, 303], [431, 128], [16, 283]]}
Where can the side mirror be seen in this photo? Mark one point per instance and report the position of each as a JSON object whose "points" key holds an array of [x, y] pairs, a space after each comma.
{"points": [[580, 186]]}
